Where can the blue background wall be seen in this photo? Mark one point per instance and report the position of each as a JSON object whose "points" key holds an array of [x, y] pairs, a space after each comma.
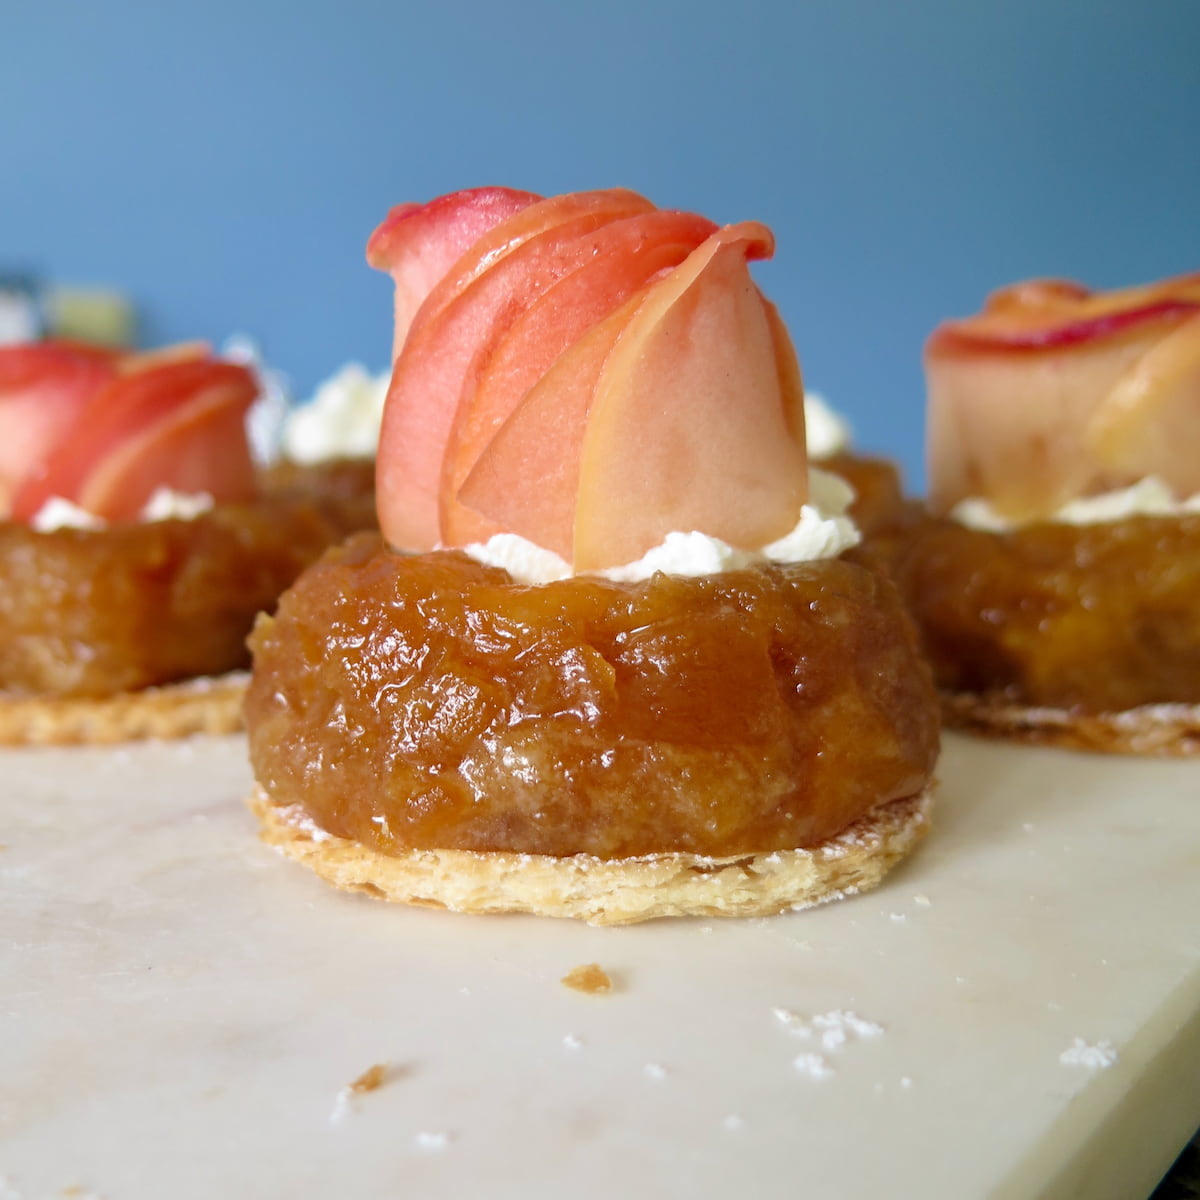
{"points": [[225, 163]]}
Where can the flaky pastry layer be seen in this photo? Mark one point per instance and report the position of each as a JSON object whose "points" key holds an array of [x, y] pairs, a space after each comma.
{"points": [[1167, 730], [176, 710], [608, 892]]}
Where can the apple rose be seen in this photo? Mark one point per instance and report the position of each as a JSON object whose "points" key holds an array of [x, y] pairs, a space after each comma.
{"points": [[1055, 392], [105, 430], [589, 372]]}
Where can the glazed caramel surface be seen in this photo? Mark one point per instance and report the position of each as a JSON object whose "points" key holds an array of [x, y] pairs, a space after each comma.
{"points": [[1096, 618], [92, 612], [431, 702]]}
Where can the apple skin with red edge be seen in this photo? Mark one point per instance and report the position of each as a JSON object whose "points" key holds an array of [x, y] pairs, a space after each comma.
{"points": [[1054, 392], [417, 244], [594, 374], [178, 424], [43, 388]]}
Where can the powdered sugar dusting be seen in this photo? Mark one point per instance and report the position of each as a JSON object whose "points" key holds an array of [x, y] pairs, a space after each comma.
{"points": [[812, 1065], [1094, 1056], [432, 1142], [832, 1029]]}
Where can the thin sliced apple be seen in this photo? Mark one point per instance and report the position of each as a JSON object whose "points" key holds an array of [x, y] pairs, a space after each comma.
{"points": [[1036, 293], [417, 244], [1149, 423], [527, 478], [787, 366], [427, 380], [161, 356], [1011, 426], [510, 235], [1045, 313], [619, 259], [690, 428], [43, 388], [1032, 329], [180, 426]]}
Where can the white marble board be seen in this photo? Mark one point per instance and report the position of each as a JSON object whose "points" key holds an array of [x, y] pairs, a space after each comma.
{"points": [[181, 1009]]}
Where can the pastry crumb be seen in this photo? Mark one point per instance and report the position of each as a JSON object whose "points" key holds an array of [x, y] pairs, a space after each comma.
{"points": [[372, 1078], [590, 978]]}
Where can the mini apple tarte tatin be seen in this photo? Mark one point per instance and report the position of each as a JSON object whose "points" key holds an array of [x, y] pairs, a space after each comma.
{"points": [[137, 540], [605, 660], [1056, 582]]}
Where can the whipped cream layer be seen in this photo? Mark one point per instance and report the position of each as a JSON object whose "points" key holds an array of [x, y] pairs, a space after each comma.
{"points": [[1149, 497], [342, 419], [826, 432], [163, 505], [823, 531]]}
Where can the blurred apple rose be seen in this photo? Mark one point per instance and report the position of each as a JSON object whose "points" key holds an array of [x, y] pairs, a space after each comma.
{"points": [[1055, 392]]}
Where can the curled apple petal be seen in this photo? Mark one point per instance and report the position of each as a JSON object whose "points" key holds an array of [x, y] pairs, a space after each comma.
{"points": [[417, 244], [526, 480], [703, 426], [466, 313], [692, 426], [1149, 422], [617, 261], [179, 425], [43, 388], [1015, 390]]}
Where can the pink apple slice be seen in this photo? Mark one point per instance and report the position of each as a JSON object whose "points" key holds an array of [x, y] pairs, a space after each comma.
{"points": [[427, 380], [1149, 423], [691, 427], [181, 425], [418, 243], [43, 388], [527, 478], [510, 235], [623, 256]]}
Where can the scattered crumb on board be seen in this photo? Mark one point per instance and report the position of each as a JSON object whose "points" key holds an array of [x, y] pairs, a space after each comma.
{"points": [[373, 1078], [590, 978]]}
